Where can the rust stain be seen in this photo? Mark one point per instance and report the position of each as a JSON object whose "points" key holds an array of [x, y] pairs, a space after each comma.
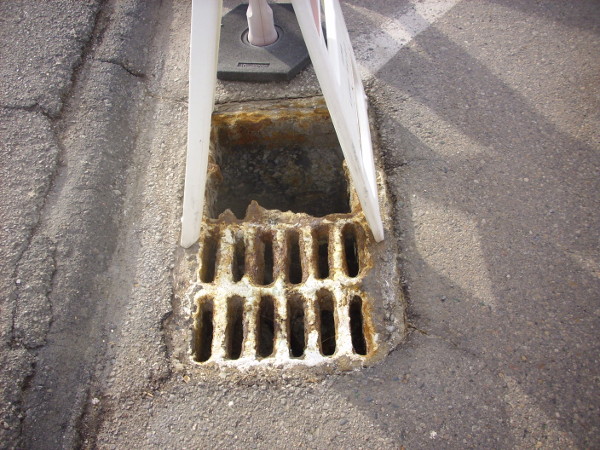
{"points": [[242, 127], [269, 276]]}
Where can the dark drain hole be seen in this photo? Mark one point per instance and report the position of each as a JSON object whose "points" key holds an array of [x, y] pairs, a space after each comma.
{"points": [[288, 161], [209, 259], [357, 327], [295, 314], [265, 329], [322, 254], [235, 327], [204, 331], [326, 323], [351, 251], [295, 267], [267, 272], [238, 268]]}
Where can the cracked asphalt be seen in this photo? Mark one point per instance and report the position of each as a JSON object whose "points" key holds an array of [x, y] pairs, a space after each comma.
{"points": [[487, 120]]}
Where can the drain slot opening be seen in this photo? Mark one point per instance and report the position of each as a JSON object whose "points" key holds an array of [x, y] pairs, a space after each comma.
{"points": [[238, 264], [322, 239], [351, 251], [296, 329], [204, 331], [235, 327], [357, 329], [326, 322], [209, 258], [295, 263], [265, 327], [266, 274]]}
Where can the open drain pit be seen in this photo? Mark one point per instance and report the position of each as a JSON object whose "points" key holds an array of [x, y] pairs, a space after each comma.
{"points": [[294, 165], [288, 274]]}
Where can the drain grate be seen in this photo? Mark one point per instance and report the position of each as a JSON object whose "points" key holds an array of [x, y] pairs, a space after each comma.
{"points": [[282, 286], [287, 272]]}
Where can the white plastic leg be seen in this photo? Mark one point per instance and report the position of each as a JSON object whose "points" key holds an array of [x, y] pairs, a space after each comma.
{"points": [[261, 26], [204, 51]]}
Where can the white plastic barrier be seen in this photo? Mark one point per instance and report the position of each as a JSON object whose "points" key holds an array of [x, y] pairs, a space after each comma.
{"points": [[340, 82], [337, 72], [204, 53]]}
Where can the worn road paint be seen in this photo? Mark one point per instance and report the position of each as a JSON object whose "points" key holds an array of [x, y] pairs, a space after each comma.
{"points": [[377, 47]]}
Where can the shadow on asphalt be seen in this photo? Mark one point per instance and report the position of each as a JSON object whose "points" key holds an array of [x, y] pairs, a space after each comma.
{"points": [[528, 192]]}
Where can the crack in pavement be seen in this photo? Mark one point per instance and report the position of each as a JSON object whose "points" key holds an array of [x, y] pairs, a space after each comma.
{"points": [[35, 268], [129, 70]]}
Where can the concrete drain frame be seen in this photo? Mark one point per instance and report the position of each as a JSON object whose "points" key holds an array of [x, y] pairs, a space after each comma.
{"points": [[300, 287]]}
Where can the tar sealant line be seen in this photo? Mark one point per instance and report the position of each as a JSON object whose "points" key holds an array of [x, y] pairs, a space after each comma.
{"points": [[375, 48]]}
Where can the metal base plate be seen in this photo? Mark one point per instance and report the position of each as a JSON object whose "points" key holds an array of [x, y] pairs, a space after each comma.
{"points": [[241, 61]]}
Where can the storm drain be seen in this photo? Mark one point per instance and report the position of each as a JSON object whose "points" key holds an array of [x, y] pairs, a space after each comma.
{"points": [[288, 272], [284, 291]]}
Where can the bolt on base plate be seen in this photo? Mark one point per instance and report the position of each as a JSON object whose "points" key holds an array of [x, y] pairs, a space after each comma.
{"points": [[241, 61]]}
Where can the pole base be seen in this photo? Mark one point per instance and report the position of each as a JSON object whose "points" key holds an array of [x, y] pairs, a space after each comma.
{"points": [[280, 61]]}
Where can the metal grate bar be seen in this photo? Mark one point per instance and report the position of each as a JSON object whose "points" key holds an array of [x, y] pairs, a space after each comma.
{"points": [[284, 287]]}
